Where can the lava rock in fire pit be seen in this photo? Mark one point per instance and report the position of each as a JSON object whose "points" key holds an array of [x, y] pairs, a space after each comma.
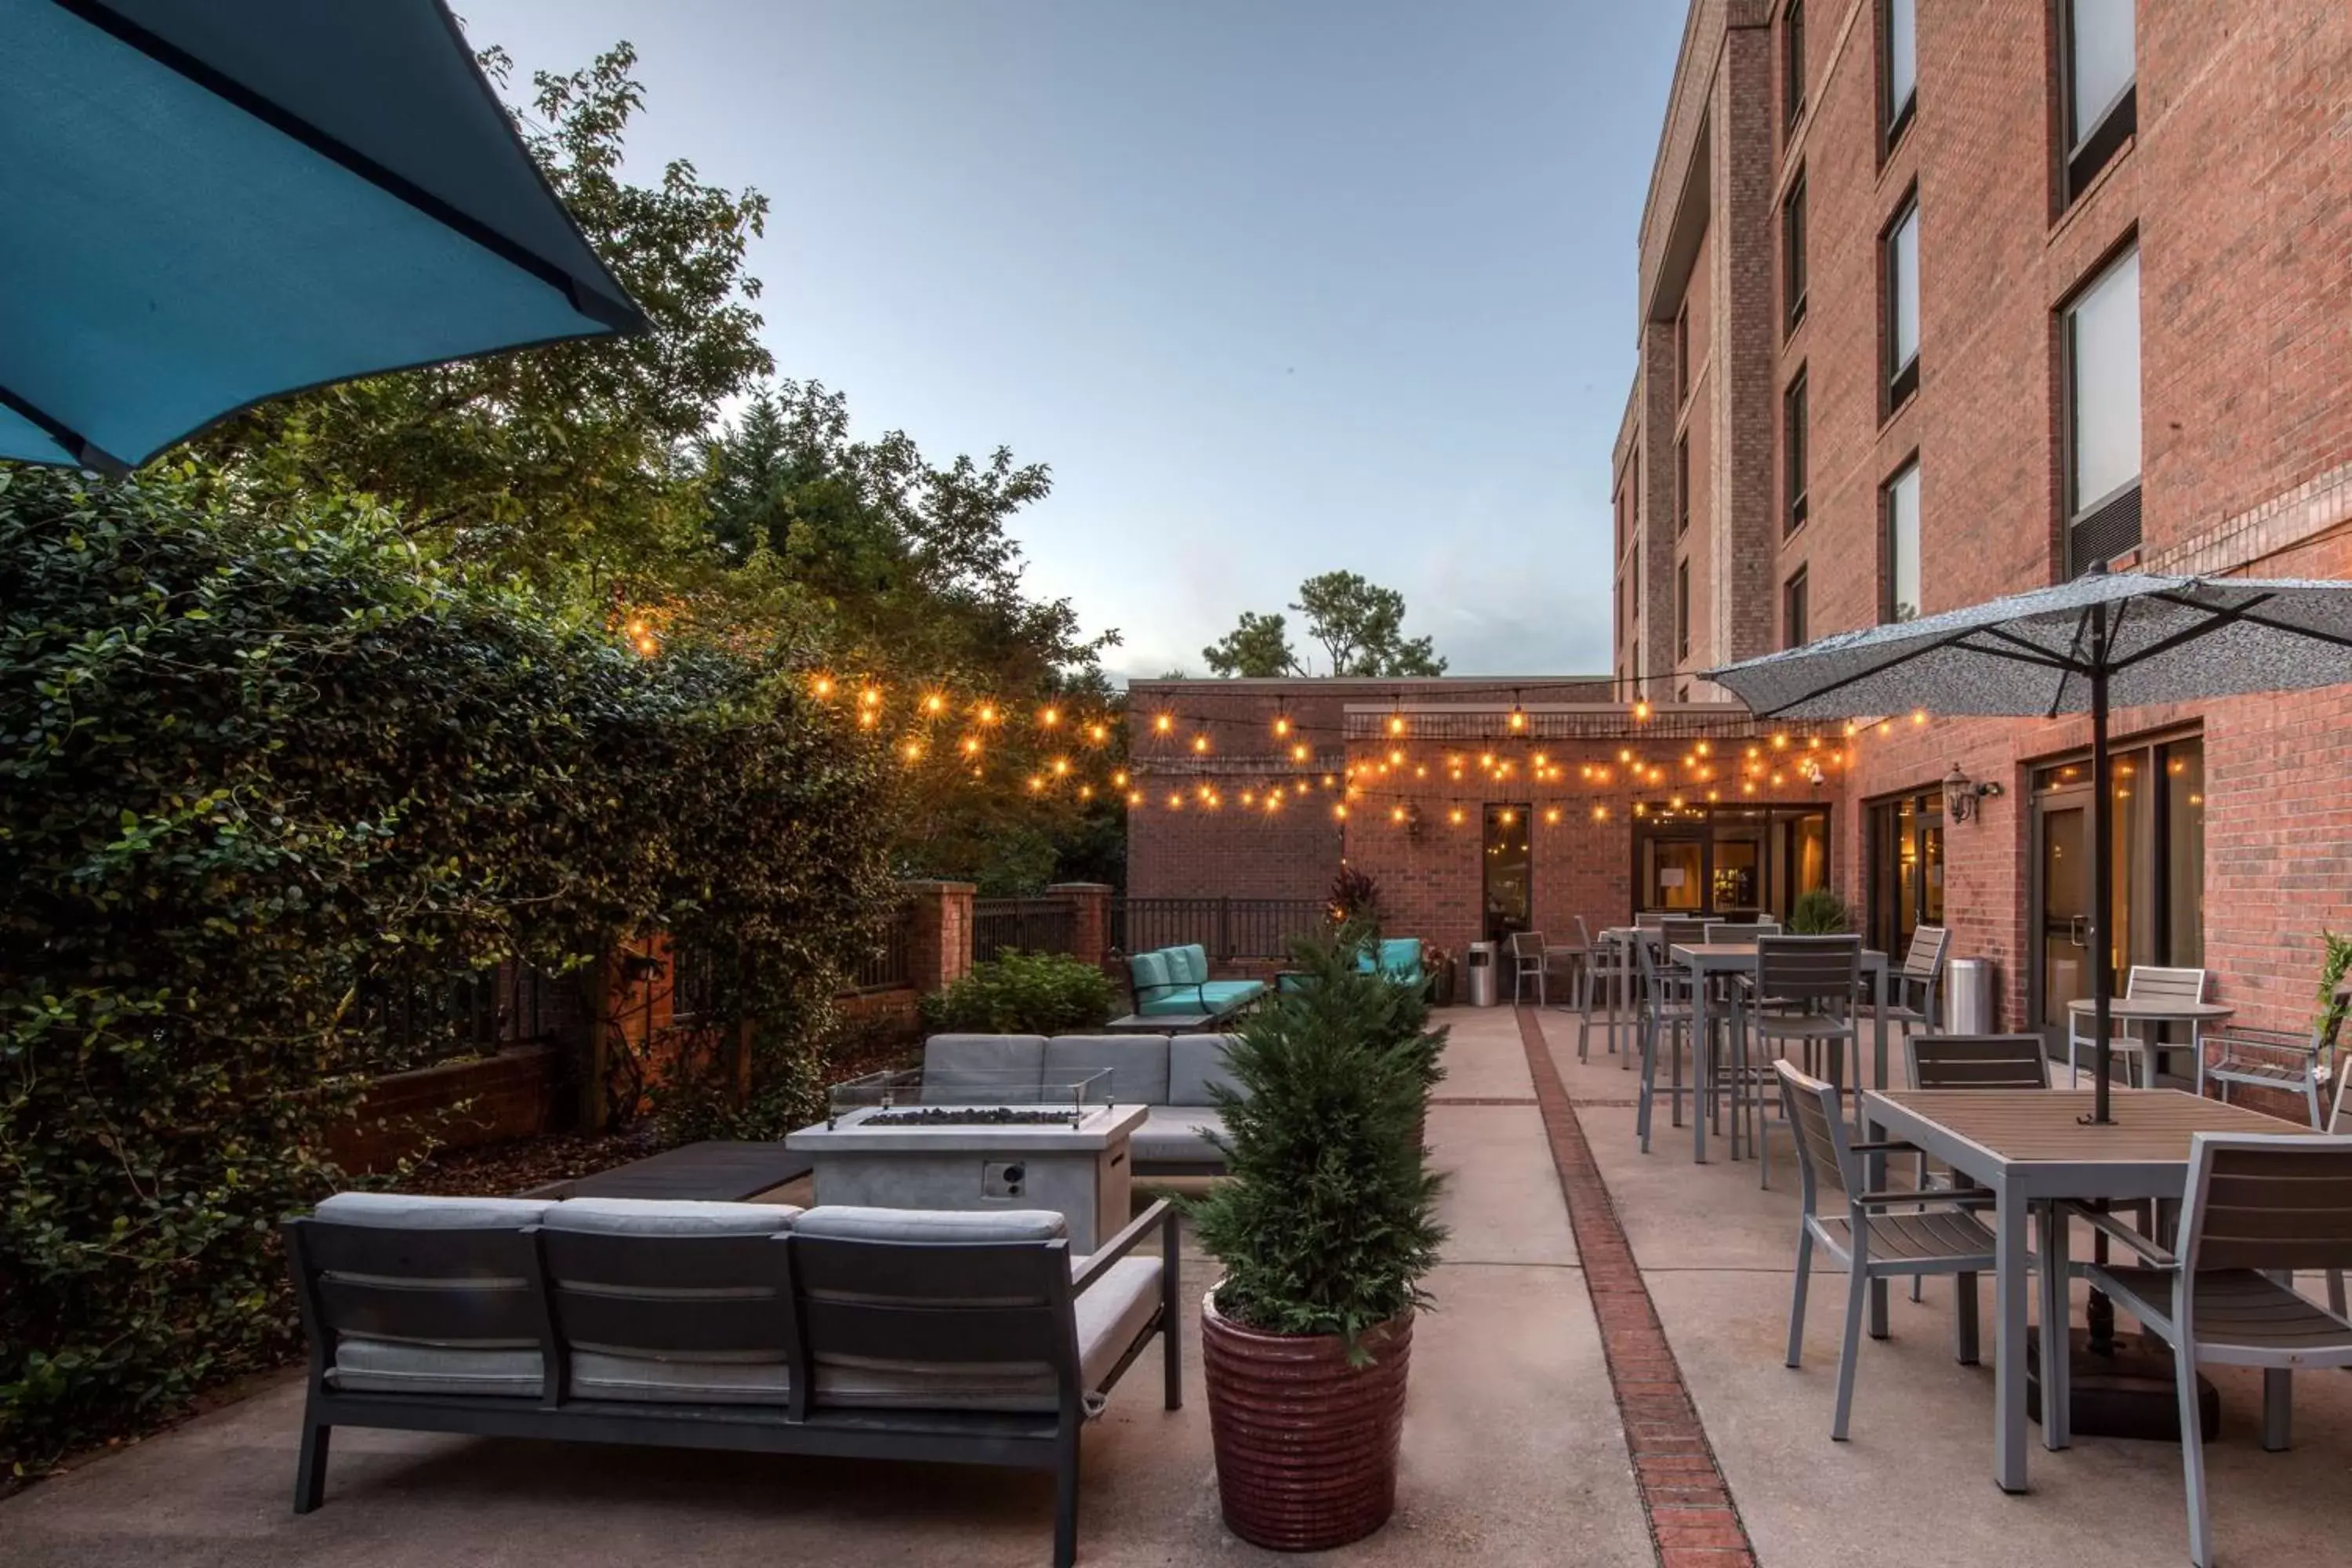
{"points": [[968, 1116]]}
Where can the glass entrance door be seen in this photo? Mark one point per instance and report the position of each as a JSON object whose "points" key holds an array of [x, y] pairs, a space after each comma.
{"points": [[1509, 893], [2062, 909]]}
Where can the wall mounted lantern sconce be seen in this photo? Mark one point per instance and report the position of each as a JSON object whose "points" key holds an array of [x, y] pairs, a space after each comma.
{"points": [[1962, 792]]}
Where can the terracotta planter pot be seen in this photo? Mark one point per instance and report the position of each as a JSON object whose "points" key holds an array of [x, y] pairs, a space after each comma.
{"points": [[1306, 1444]]}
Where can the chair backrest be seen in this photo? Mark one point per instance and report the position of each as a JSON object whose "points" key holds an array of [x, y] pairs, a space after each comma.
{"points": [[2157, 983], [902, 1293], [646, 1293], [1739, 931], [1677, 928], [1924, 959], [1822, 1144], [2271, 1202], [1584, 933], [1979, 1061], [1527, 944], [431, 1282], [1650, 918], [1808, 968]]}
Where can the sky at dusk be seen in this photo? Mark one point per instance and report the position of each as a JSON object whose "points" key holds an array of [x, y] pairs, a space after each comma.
{"points": [[1275, 289]]}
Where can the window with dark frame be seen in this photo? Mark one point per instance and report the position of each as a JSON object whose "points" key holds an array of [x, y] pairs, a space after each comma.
{"points": [[1898, 65], [1792, 254], [1682, 355], [2099, 345], [1898, 505], [1793, 437], [1792, 610], [1682, 486], [1792, 62], [1682, 609], [1901, 272], [2098, 77]]}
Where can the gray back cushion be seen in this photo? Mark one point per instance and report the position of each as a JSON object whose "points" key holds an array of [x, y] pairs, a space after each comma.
{"points": [[848, 1221], [1137, 1064], [415, 1211], [1195, 1062], [668, 1216], [978, 1064]]}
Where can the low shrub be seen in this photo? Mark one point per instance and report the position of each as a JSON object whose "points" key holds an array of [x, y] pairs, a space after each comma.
{"points": [[1820, 912], [1024, 993]]}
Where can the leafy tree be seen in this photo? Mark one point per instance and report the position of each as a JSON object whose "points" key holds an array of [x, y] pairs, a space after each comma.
{"points": [[1259, 647], [1361, 627], [560, 464]]}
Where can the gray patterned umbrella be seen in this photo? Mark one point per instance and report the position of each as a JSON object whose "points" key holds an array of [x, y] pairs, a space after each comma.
{"points": [[2100, 641]]}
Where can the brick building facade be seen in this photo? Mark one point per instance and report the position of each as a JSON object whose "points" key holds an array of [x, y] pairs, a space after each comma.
{"points": [[1937, 301], [1973, 296]]}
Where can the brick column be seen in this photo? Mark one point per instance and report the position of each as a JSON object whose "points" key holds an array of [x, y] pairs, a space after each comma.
{"points": [[1090, 919], [941, 916]]}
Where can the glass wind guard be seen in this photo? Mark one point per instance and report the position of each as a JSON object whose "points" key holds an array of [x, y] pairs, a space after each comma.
{"points": [[970, 1097]]}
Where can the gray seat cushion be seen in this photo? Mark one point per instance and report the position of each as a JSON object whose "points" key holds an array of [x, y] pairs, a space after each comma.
{"points": [[1171, 1135], [1111, 1315], [667, 1217], [665, 1380], [1195, 1063], [981, 1065], [1137, 1064], [849, 1222], [365, 1365], [415, 1210]]}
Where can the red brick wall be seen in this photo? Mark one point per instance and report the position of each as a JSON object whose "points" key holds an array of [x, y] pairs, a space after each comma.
{"points": [[455, 1105], [2238, 190]]}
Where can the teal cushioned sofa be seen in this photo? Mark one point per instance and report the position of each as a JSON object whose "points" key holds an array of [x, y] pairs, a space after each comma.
{"points": [[1173, 982]]}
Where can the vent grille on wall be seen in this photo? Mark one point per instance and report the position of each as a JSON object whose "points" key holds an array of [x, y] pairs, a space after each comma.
{"points": [[2104, 533]]}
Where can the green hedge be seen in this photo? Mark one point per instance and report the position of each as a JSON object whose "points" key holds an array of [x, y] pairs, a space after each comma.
{"points": [[1024, 993], [242, 767]]}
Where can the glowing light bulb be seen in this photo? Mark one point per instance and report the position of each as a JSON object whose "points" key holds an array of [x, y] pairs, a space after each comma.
{"points": [[1282, 726], [1135, 798], [1050, 717], [1552, 816], [1455, 816], [871, 697], [1700, 748], [1641, 711], [1625, 754], [1519, 720], [988, 712], [913, 751], [1200, 742], [1119, 778], [1061, 766], [1599, 814], [1396, 724], [971, 745], [1099, 733], [821, 686], [1396, 814], [1163, 722], [1298, 754], [1918, 716], [1396, 759], [934, 703]]}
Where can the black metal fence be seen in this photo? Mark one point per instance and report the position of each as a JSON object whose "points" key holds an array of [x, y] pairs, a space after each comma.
{"points": [[1228, 928], [423, 1016], [1030, 925], [891, 965]]}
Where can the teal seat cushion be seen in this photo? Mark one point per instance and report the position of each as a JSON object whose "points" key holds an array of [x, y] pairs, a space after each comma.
{"points": [[1183, 1004], [1188, 964], [1401, 960], [1220, 992]]}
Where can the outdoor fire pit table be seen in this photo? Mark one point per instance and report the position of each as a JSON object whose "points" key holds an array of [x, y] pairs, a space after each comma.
{"points": [[976, 1142]]}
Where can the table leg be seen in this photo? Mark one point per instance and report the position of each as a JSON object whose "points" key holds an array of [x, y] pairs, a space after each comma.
{"points": [[1702, 1084], [2009, 1352], [2057, 1333]]}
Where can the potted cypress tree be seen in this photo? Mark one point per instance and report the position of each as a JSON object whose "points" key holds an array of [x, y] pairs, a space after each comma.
{"points": [[1325, 1231]]}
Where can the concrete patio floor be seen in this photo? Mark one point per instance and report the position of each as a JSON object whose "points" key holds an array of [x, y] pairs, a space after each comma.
{"points": [[1514, 1450]]}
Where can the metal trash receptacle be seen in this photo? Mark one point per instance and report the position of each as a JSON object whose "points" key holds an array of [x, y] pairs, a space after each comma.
{"points": [[1481, 989], [1969, 996]]}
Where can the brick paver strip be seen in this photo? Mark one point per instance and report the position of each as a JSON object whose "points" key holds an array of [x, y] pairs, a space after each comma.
{"points": [[1694, 1523], [1482, 1100]]}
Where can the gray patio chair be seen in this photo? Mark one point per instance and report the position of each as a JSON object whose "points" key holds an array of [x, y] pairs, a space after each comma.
{"points": [[1921, 978], [1805, 992], [1881, 1236], [1741, 931], [1528, 959], [1664, 1023], [2256, 1207], [1973, 1061], [2145, 980], [1650, 918], [2279, 1059], [1605, 980]]}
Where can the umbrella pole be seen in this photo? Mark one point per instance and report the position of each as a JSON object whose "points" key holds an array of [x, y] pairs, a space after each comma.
{"points": [[2103, 811]]}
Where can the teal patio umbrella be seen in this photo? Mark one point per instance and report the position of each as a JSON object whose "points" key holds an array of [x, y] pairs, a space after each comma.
{"points": [[205, 204]]}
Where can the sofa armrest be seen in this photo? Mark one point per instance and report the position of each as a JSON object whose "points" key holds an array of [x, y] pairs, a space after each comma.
{"points": [[1160, 1216]]}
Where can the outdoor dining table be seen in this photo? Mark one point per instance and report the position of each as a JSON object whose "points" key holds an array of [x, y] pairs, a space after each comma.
{"points": [[1708, 959], [2151, 1014], [2032, 1148]]}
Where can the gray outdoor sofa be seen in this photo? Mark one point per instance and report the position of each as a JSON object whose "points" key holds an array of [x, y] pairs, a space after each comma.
{"points": [[875, 1333], [1172, 1075]]}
